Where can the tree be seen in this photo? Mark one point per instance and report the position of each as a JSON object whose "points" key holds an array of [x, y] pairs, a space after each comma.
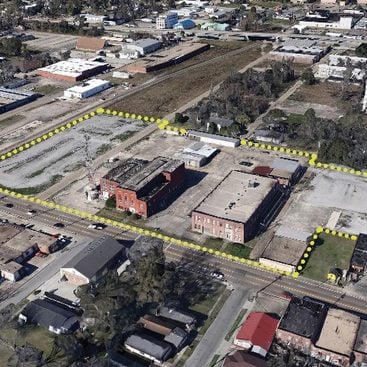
{"points": [[361, 50], [308, 77], [180, 118]]}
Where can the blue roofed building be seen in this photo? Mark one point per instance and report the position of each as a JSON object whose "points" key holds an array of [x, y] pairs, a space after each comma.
{"points": [[185, 24]]}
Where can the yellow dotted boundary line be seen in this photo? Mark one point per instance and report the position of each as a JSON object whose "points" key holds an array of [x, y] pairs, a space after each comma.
{"points": [[314, 238]]}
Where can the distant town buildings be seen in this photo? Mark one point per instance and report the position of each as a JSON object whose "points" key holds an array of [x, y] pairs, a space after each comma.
{"points": [[144, 187], [139, 48], [14, 98], [73, 70], [327, 21], [167, 21], [87, 89], [238, 207]]}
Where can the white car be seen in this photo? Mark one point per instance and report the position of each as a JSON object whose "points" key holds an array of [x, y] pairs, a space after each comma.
{"points": [[217, 274], [31, 212], [98, 226]]}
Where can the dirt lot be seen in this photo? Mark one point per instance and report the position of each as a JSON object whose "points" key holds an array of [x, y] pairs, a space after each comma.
{"points": [[324, 93], [170, 94], [51, 41]]}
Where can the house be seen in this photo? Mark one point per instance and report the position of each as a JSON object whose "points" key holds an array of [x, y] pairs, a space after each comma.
{"points": [[94, 261], [242, 359], [177, 337], [269, 136], [157, 324], [149, 347], [144, 187], [51, 315], [219, 122], [257, 333], [183, 317], [11, 271]]}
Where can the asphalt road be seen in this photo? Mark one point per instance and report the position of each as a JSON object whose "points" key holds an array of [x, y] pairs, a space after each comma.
{"points": [[213, 337], [238, 274]]}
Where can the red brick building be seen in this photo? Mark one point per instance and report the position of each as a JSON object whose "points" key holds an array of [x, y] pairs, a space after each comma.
{"points": [[237, 208], [144, 187]]}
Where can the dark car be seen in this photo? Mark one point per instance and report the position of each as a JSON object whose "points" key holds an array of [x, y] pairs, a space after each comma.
{"points": [[9, 205], [59, 225]]}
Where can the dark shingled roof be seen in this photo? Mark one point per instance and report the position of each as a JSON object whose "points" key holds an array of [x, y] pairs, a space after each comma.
{"points": [[361, 340], [96, 255], [48, 313], [243, 359], [304, 317], [361, 243]]}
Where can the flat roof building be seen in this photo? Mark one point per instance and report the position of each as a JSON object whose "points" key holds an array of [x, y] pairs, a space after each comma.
{"points": [[87, 89], [214, 139], [141, 47], [237, 208], [94, 262], [337, 337], [197, 154], [301, 323], [144, 187], [73, 70], [14, 98]]}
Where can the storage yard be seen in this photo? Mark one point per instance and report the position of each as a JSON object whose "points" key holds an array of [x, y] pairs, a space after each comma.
{"points": [[65, 152]]}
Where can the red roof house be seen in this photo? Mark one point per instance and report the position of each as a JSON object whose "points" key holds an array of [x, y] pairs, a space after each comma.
{"points": [[257, 333]]}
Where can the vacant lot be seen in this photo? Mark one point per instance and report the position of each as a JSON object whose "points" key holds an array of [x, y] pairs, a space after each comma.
{"points": [[332, 252], [325, 93], [46, 162], [170, 94]]}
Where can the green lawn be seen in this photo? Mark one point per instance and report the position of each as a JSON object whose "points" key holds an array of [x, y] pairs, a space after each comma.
{"points": [[236, 249], [47, 89], [235, 325], [332, 252], [213, 243]]}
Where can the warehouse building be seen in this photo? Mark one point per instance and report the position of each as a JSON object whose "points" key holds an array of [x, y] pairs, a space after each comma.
{"points": [[14, 98], [139, 48], [184, 24], [224, 141], [94, 262], [167, 21], [73, 70], [144, 187], [301, 324], [337, 338], [87, 89], [238, 207], [197, 154]]}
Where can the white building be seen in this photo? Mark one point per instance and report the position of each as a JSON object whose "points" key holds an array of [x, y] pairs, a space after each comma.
{"points": [[139, 48], [87, 89], [94, 19], [167, 21], [185, 12], [197, 154], [342, 23], [121, 75], [214, 139]]}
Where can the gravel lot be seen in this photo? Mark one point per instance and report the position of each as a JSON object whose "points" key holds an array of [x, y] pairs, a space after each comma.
{"points": [[65, 152]]}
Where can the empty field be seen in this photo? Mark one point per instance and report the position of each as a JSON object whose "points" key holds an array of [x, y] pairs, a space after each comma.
{"points": [[332, 252]]}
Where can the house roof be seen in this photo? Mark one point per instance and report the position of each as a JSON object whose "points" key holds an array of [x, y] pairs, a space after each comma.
{"points": [[145, 343], [243, 359], [177, 315], [176, 337], [90, 43], [157, 324], [96, 255], [48, 313], [259, 328]]}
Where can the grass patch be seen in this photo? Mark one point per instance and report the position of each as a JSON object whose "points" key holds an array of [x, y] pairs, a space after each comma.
{"points": [[236, 249], [214, 360], [235, 325], [47, 89], [214, 243], [332, 251], [39, 337], [124, 136], [180, 89], [103, 149], [10, 120], [36, 189], [212, 307]]}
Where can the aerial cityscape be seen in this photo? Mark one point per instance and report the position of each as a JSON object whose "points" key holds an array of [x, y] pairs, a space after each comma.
{"points": [[183, 183]]}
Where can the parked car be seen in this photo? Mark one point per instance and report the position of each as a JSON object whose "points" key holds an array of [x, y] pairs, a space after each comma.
{"points": [[9, 205], [31, 212], [217, 274], [59, 225], [98, 226]]}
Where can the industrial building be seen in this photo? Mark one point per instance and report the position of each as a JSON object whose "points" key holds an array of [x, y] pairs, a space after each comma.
{"points": [[336, 341], [168, 57], [358, 262], [301, 324], [283, 251], [214, 26], [197, 154], [87, 89], [73, 70], [167, 21], [224, 141], [184, 24], [149, 347], [257, 333], [14, 98], [301, 51], [94, 262], [139, 48], [144, 187], [238, 207], [334, 21]]}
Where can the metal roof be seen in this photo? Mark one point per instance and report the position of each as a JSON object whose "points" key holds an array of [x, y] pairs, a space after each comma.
{"points": [[286, 164], [199, 148], [292, 233]]}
